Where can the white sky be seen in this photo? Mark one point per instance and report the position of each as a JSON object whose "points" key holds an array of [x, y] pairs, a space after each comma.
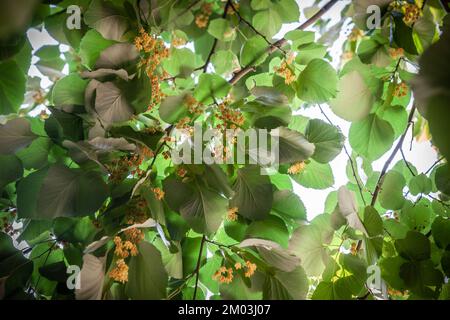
{"points": [[422, 155]]}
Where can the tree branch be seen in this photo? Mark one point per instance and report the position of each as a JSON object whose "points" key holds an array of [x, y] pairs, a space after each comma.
{"points": [[391, 157], [213, 48], [197, 268], [282, 42]]}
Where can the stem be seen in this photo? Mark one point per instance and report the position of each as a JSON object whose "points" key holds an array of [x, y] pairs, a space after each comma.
{"points": [[282, 42], [391, 157], [352, 163], [213, 48], [197, 268]]}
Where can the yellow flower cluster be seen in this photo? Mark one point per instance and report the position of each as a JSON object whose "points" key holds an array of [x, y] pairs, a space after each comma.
{"points": [[354, 249], [181, 172], [156, 51], [411, 14], [347, 56], [120, 168], [396, 53], [120, 271], [183, 123], [285, 71], [159, 194], [177, 42], [401, 90], [250, 269], [201, 19], [297, 168], [225, 275], [125, 248], [193, 105], [397, 293], [232, 118], [356, 34], [232, 214]]}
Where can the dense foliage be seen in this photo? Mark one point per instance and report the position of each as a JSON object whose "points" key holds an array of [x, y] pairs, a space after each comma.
{"points": [[88, 180]]}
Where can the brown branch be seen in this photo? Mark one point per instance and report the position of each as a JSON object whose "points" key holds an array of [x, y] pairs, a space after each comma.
{"points": [[434, 164], [213, 48], [282, 42], [391, 157], [407, 163], [197, 268]]}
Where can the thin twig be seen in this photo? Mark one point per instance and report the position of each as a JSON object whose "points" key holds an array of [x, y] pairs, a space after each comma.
{"points": [[407, 163], [282, 42], [242, 19], [352, 164], [213, 48], [391, 157], [197, 268], [434, 164]]}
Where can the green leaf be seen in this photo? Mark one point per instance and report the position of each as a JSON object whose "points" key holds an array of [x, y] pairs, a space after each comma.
{"points": [[315, 176], [391, 194], [111, 103], [181, 62], [106, 19], [91, 46], [12, 87], [202, 208], [225, 62], [12, 169], [432, 90], [10, 257], [355, 97], [373, 222], [69, 91], [371, 137], [59, 191], [441, 232], [221, 29], [337, 290], [328, 140], [310, 85], [293, 146], [16, 134], [309, 52], [254, 51], [420, 276], [272, 228], [420, 184], [253, 193], [211, 86], [286, 285], [390, 270], [173, 109], [307, 244], [415, 247], [264, 113], [442, 179], [287, 204], [417, 217], [260, 22], [147, 277], [299, 37], [397, 117]]}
